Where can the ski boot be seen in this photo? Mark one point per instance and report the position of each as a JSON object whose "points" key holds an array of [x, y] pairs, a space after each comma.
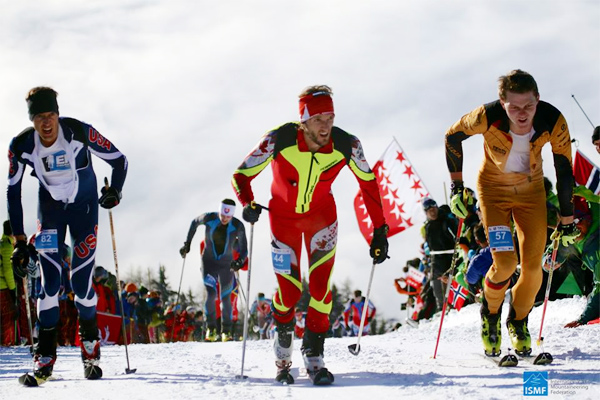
{"points": [[284, 347], [45, 353], [519, 334], [491, 331], [226, 337], [312, 353], [211, 335], [90, 349]]}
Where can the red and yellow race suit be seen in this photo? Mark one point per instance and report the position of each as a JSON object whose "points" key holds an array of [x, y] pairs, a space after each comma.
{"points": [[302, 204], [509, 196]]}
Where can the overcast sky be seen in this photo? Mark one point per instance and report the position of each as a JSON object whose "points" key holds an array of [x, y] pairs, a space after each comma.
{"points": [[186, 88]]}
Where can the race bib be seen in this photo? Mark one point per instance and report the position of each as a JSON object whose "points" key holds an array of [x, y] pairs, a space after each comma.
{"points": [[281, 260], [500, 238], [47, 241]]}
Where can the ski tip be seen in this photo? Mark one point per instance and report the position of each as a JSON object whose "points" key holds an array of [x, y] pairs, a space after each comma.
{"points": [[509, 360], [543, 359], [322, 377], [28, 380], [354, 349], [285, 379]]}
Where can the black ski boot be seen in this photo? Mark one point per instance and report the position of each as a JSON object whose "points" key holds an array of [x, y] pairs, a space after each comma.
{"points": [[491, 332], [284, 347], [312, 353], [45, 353], [90, 349]]}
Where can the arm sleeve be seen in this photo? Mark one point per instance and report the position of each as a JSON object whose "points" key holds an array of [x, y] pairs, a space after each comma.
{"points": [[13, 192], [470, 124], [367, 182], [253, 164], [194, 225], [479, 266], [560, 141], [104, 149], [592, 308]]}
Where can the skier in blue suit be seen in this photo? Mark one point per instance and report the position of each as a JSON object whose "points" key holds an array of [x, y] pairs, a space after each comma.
{"points": [[59, 149]]}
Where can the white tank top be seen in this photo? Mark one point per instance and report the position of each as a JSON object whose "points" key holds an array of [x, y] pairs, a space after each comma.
{"points": [[518, 158]]}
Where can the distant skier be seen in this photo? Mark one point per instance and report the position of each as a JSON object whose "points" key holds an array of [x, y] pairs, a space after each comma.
{"points": [[306, 157], [262, 309], [59, 151], [224, 235], [353, 314], [511, 188]]}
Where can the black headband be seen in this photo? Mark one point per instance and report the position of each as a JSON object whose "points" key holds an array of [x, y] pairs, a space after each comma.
{"points": [[41, 102]]}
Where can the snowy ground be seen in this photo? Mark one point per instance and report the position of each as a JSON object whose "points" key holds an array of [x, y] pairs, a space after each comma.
{"points": [[392, 366]]}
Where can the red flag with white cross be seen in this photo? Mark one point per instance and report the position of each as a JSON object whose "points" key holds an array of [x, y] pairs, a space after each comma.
{"points": [[401, 191]]}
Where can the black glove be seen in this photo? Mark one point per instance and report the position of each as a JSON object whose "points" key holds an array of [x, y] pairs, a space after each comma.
{"points": [[236, 265], [110, 197], [368, 320], [379, 244], [13, 296], [184, 249], [20, 259], [251, 212]]}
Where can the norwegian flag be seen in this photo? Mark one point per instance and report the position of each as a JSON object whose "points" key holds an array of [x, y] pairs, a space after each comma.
{"points": [[586, 173], [401, 192], [457, 296]]}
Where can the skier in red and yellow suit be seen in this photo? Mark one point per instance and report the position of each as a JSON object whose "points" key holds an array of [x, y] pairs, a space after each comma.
{"points": [[306, 158], [511, 189]]}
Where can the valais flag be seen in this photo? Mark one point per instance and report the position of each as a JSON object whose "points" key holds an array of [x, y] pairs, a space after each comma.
{"points": [[586, 173], [401, 192]]}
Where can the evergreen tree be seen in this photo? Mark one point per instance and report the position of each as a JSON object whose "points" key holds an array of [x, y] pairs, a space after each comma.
{"points": [[162, 285]]}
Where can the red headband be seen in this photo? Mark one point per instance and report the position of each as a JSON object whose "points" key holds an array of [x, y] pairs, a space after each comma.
{"points": [[315, 104]]}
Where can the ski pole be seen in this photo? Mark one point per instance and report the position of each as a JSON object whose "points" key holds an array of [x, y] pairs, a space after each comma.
{"points": [[449, 284], [355, 348], [30, 379], [246, 311], [581, 108], [128, 370], [547, 296], [177, 301]]}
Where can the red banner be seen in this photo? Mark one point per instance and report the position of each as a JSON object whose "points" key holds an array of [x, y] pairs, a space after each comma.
{"points": [[586, 173]]}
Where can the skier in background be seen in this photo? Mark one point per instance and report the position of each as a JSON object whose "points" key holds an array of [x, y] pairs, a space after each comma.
{"points": [[224, 235], [353, 314]]}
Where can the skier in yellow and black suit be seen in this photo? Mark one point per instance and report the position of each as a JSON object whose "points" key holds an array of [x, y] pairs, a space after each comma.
{"points": [[511, 189]]}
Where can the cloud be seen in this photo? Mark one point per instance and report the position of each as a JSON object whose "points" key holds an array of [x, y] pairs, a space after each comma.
{"points": [[186, 89]]}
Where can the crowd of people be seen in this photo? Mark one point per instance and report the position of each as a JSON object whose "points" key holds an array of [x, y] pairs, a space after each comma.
{"points": [[490, 240]]}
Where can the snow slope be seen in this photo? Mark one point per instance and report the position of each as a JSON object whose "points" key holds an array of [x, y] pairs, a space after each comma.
{"points": [[391, 366]]}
